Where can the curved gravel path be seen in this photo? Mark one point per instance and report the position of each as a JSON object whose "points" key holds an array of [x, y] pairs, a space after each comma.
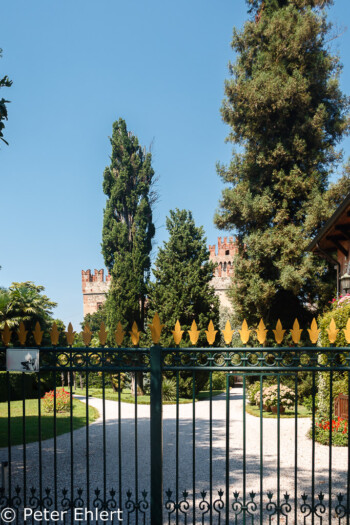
{"points": [[127, 430]]}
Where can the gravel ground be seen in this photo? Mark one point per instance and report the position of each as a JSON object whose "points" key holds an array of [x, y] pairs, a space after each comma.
{"points": [[202, 453]]}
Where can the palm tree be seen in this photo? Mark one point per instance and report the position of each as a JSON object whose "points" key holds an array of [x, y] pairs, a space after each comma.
{"points": [[25, 302]]}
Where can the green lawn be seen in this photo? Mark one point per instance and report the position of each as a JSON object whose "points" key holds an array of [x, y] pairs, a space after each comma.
{"points": [[127, 397], [47, 421], [255, 411]]}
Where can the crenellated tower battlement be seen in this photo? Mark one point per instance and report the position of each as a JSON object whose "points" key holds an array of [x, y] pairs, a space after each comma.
{"points": [[95, 288], [226, 252]]}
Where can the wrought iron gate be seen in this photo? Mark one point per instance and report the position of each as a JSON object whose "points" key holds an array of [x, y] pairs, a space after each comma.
{"points": [[208, 461]]}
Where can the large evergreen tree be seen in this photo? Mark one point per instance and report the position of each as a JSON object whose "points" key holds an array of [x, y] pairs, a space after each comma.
{"points": [[182, 289], [287, 114], [127, 227]]}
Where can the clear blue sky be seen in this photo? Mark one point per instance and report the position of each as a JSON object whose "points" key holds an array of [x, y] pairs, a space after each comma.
{"points": [[76, 67]]}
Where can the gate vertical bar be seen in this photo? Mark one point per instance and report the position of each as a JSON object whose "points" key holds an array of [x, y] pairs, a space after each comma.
{"points": [[194, 444], [39, 436], [296, 452], [136, 454], [24, 441], [244, 450], [330, 447], [156, 437], [348, 483], [55, 441], [177, 448], [227, 473], [119, 444], [211, 445], [9, 435], [278, 446], [313, 448], [87, 436], [261, 449]]}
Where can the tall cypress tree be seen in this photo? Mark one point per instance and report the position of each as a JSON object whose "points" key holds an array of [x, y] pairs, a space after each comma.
{"points": [[127, 227], [287, 114]]}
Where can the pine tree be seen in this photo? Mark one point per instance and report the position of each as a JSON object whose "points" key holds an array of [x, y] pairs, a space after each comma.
{"points": [[287, 114], [182, 290], [127, 228]]}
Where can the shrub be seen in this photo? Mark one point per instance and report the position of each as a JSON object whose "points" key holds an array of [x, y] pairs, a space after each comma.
{"points": [[186, 382], [340, 312], [169, 389], [30, 382], [270, 396], [62, 401], [252, 391], [219, 380]]}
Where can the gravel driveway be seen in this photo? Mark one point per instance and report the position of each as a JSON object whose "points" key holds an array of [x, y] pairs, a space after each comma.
{"points": [[287, 449]]}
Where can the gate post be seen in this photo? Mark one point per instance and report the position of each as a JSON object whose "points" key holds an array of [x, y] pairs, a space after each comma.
{"points": [[156, 437]]}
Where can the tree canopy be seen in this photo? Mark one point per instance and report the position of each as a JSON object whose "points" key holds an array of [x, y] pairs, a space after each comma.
{"points": [[182, 290], [4, 82], [287, 114], [127, 227], [25, 302]]}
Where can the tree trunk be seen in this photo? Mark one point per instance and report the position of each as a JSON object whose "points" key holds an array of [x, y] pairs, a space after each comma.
{"points": [[139, 376]]}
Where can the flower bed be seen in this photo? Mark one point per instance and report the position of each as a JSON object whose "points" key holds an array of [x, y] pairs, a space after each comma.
{"points": [[339, 432], [62, 401]]}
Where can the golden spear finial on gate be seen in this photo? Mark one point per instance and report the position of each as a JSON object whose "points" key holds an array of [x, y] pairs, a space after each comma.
{"points": [[177, 333], [38, 334], [156, 328], [296, 332], [54, 334], [6, 335], [313, 332], [227, 333], [70, 335], [261, 332], [119, 334], [244, 332], [194, 333], [102, 335], [86, 334], [211, 333], [22, 333], [332, 332], [279, 332], [135, 334], [347, 332]]}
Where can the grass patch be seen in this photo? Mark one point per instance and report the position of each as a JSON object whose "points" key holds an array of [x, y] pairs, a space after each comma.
{"points": [[127, 397], [255, 411], [32, 421], [205, 394]]}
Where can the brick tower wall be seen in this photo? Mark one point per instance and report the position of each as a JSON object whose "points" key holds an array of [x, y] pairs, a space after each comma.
{"points": [[94, 288], [226, 252]]}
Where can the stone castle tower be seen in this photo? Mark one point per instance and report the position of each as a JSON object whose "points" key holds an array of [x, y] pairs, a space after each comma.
{"points": [[227, 250], [95, 287]]}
